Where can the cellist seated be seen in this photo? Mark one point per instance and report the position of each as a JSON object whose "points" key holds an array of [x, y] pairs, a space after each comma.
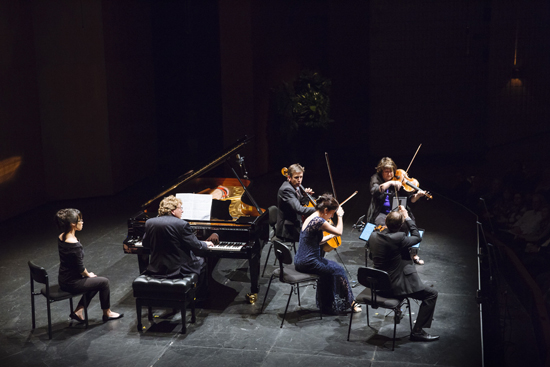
{"points": [[291, 201]]}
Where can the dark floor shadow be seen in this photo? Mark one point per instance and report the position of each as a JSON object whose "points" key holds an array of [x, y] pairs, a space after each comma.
{"points": [[385, 342], [220, 297], [62, 334], [300, 316], [164, 326]]}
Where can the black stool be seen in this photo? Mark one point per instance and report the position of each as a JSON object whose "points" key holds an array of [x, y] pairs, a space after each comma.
{"points": [[169, 293]]}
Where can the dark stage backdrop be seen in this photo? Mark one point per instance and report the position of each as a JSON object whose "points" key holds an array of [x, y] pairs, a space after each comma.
{"points": [[97, 95]]}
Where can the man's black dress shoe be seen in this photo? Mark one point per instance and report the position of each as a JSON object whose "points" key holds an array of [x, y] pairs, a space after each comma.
{"points": [[108, 318], [423, 336]]}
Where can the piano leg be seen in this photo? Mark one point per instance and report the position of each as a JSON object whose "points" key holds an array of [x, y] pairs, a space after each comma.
{"points": [[254, 268]]}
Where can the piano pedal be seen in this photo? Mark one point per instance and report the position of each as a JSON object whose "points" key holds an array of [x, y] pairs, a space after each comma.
{"points": [[252, 298]]}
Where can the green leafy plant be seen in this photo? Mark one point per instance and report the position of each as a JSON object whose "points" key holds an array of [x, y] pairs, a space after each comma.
{"points": [[304, 104], [311, 102]]}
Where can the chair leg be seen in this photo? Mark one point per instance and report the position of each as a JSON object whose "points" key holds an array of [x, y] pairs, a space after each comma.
{"points": [[150, 313], [350, 320], [49, 319], [266, 293], [183, 322], [71, 304], [394, 330], [193, 317], [320, 311], [32, 308], [138, 311], [367, 308], [298, 291], [287, 303], [267, 257], [85, 309]]}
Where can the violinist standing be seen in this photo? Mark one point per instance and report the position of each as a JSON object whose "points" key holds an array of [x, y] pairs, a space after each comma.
{"points": [[382, 189], [291, 201]]}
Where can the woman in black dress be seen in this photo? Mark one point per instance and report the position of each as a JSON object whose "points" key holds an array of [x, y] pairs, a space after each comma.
{"points": [[73, 276]]}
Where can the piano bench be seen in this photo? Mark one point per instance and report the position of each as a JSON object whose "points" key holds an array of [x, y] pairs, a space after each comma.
{"points": [[167, 293]]}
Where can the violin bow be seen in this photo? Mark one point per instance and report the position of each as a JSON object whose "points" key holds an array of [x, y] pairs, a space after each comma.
{"points": [[410, 164], [352, 195], [353, 283], [330, 175], [396, 198]]}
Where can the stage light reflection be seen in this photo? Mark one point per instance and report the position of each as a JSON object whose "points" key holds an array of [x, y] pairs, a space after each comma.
{"points": [[8, 167]]}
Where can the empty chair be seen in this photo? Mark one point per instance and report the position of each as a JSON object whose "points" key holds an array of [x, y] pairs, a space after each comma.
{"points": [[289, 275], [52, 293], [378, 281]]}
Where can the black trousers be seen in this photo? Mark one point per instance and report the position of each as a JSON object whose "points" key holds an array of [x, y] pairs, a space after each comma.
{"points": [[202, 291], [91, 286], [428, 296]]}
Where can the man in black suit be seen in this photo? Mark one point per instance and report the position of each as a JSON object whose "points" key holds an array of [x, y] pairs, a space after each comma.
{"points": [[291, 201], [172, 243], [390, 252]]}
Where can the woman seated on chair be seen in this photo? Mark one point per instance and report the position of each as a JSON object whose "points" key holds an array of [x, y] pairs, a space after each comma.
{"points": [[334, 293], [73, 276]]}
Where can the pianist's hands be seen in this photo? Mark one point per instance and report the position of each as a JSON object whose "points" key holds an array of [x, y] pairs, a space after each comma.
{"points": [[214, 239]]}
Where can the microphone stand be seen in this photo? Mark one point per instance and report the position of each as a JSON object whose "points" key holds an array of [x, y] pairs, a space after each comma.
{"points": [[240, 161]]}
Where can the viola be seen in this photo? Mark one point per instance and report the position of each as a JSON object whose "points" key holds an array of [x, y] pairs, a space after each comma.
{"points": [[409, 184]]}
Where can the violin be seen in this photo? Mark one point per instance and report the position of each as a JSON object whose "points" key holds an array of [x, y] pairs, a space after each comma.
{"points": [[409, 184]]}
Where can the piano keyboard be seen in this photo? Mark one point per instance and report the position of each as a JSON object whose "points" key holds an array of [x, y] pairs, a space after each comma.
{"points": [[222, 246], [227, 246]]}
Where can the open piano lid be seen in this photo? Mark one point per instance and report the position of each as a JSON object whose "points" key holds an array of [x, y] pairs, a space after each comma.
{"points": [[189, 176]]}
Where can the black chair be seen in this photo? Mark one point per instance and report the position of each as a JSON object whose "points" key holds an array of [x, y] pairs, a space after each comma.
{"points": [[289, 275], [167, 293], [273, 212], [52, 293], [378, 281]]}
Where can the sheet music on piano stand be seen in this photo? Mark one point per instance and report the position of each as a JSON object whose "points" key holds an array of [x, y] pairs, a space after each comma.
{"points": [[196, 206]]}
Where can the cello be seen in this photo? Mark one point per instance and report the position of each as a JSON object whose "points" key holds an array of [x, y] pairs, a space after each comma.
{"points": [[335, 241], [311, 202]]}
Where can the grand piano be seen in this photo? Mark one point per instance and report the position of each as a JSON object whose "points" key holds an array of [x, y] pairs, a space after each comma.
{"points": [[242, 228]]}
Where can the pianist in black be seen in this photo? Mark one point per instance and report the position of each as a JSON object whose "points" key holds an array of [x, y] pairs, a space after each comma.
{"points": [[173, 245]]}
